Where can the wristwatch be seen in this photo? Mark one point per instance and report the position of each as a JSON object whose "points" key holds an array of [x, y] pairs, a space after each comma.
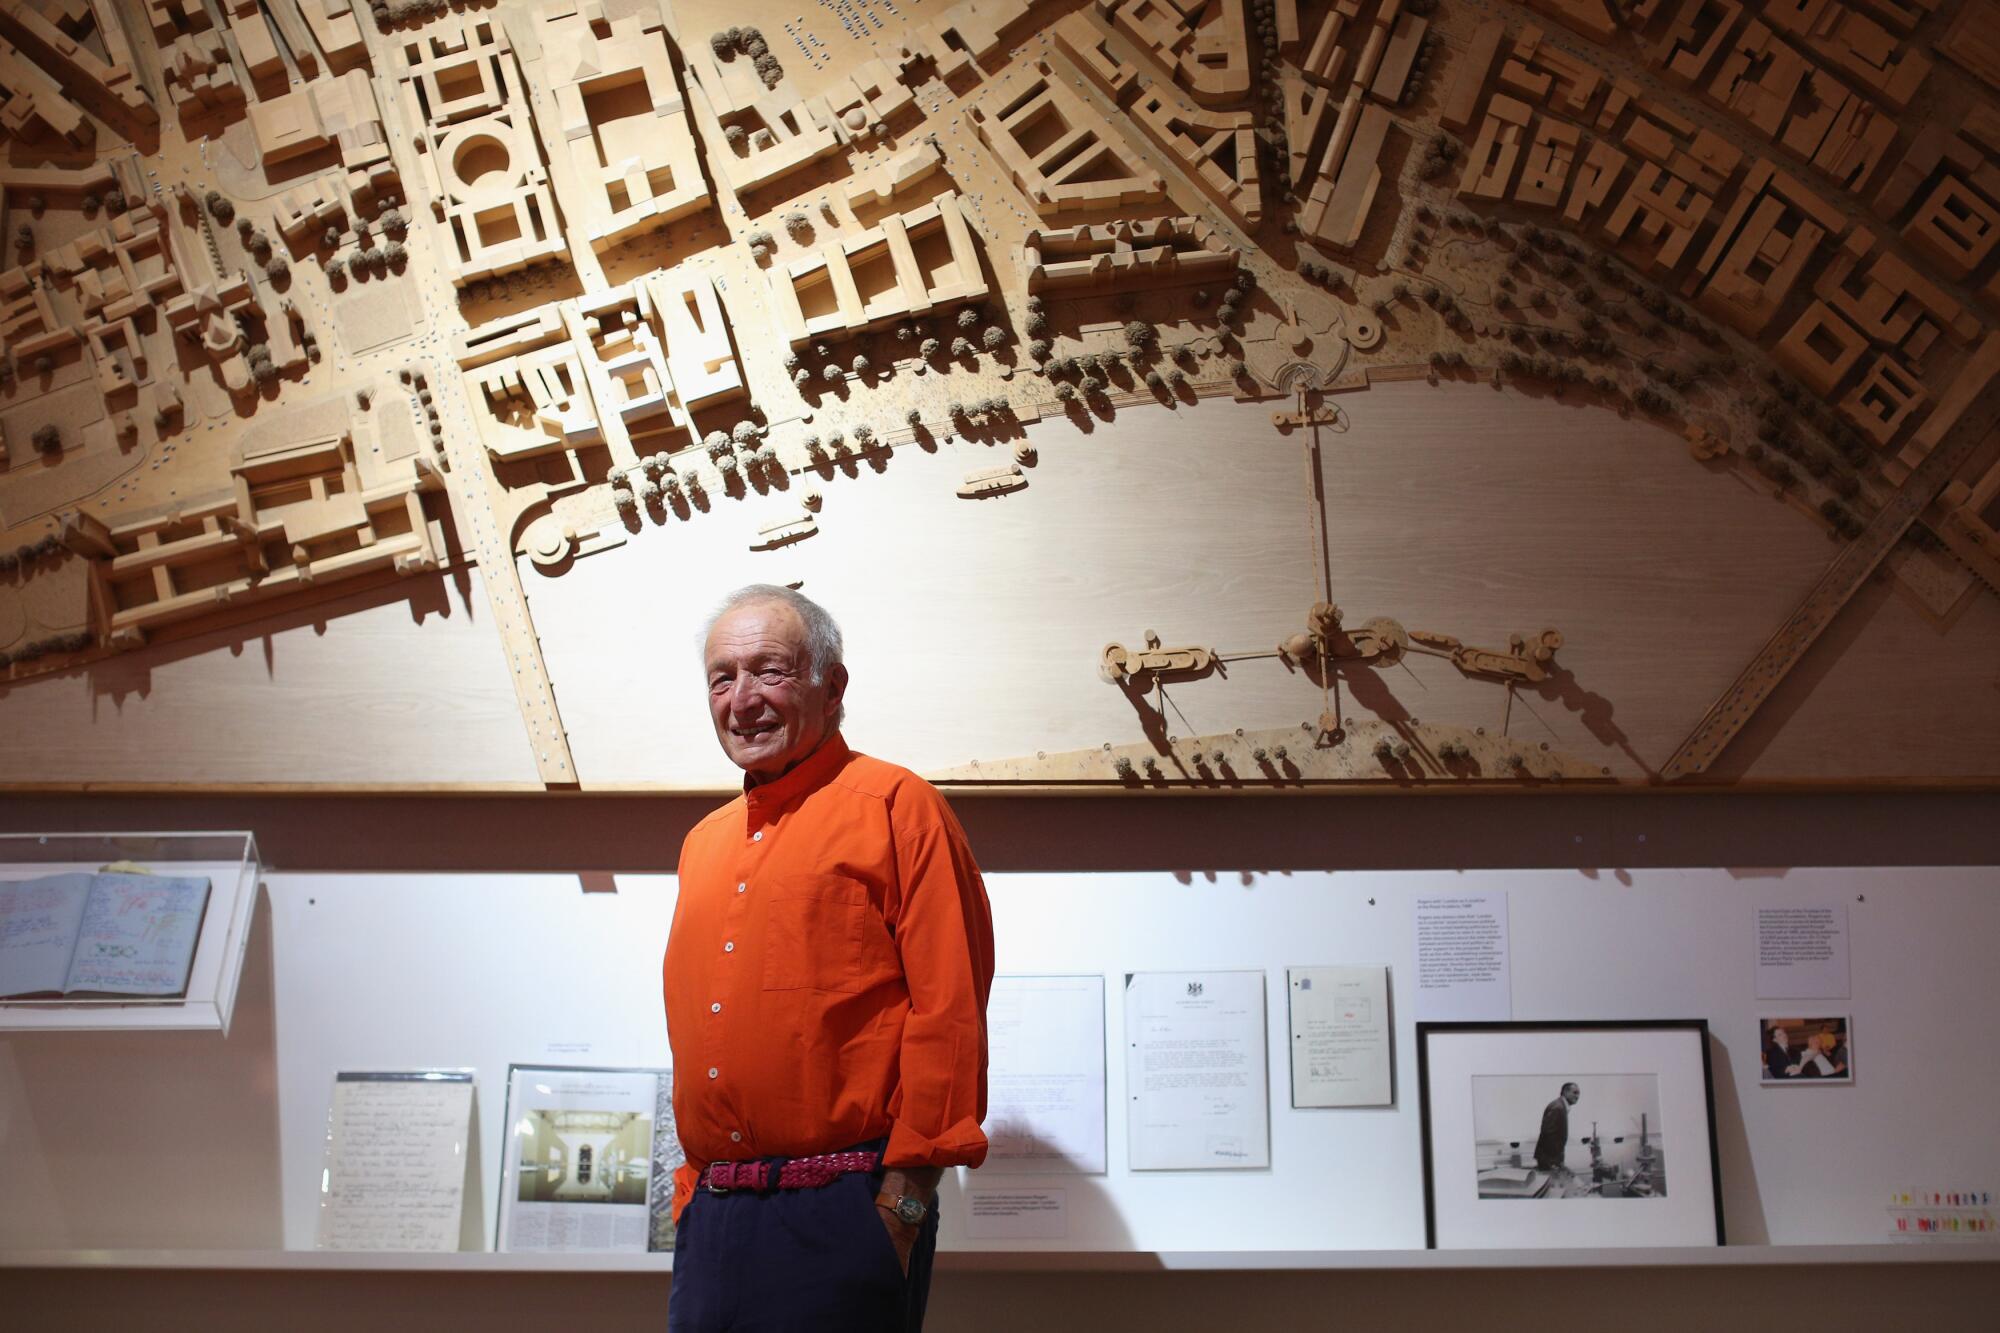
{"points": [[909, 1211]]}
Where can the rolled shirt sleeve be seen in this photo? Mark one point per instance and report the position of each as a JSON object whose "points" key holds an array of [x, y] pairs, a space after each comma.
{"points": [[944, 933]]}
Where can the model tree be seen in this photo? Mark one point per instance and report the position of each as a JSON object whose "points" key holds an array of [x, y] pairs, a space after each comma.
{"points": [[929, 350], [961, 347], [993, 339], [47, 438]]}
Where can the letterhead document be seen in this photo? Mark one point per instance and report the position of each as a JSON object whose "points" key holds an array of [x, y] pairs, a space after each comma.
{"points": [[589, 1161], [395, 1170], [1340, 1036], [1045, 1075], [1196, 1080]]}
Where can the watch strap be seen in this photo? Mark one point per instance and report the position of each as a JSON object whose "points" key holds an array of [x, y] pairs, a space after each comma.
{"points": [[906, 1208]]}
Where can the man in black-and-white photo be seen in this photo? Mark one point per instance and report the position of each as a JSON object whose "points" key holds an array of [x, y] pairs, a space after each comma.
{"points": [[1554, 1139]]}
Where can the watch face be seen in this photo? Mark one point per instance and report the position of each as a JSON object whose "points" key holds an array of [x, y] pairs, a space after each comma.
{"points": [[910, 1210]]}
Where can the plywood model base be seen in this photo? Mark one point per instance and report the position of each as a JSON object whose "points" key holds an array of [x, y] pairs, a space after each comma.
{"points": [[1609, 385]]}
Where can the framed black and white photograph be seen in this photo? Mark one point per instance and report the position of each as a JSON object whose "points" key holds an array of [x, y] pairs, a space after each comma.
{"points": [[1805, 1052], [1554, 1135]]}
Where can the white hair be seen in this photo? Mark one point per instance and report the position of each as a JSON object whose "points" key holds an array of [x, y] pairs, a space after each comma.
{"points": [[823, 643]]}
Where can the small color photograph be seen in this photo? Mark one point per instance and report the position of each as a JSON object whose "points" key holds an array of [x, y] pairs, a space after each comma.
{"points": [[1805, 1050], [584, 1156]]}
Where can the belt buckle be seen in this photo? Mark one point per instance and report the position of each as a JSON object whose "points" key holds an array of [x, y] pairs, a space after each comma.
{"points": [[716, 1171]]}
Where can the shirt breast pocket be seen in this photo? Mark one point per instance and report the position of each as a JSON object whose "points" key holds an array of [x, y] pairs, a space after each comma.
{"points": [[823, 933]]}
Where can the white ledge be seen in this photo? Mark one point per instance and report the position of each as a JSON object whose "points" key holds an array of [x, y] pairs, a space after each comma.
{"points": [[1731, 1256]]}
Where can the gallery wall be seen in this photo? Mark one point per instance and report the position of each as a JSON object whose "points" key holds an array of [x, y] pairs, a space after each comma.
{"points": [[384, 971], [379, 835]]}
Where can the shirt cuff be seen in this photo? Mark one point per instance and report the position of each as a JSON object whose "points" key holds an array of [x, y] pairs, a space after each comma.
{"points": [[963, 1144]]}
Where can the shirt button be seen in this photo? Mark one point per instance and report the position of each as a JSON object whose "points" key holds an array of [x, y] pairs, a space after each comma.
{"points": [[736, 1136], [758, 836], [713, 1071], [741, 887], [729, 946], [715, 1008]]}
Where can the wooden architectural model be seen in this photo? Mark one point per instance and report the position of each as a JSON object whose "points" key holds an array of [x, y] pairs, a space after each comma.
{"points": [[497, 341]]}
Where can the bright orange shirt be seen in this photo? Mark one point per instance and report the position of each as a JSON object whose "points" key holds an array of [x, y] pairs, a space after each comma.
{"points": [[827, 972]]}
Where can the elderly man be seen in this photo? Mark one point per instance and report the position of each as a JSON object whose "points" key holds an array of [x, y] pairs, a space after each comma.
{"points": [[826, 982]]}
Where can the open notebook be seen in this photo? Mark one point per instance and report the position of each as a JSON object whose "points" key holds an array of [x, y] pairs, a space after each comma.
{"points": [[103, 934]]}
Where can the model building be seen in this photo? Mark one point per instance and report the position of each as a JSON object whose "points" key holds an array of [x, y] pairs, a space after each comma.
{"points": [[1669, 323]]}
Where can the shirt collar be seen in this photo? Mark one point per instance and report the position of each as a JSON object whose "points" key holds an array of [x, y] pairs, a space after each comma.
{"points": [[813, 772]]}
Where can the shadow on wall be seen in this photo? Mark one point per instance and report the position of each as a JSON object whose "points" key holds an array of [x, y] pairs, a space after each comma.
{"points": [[1742, 1202]]}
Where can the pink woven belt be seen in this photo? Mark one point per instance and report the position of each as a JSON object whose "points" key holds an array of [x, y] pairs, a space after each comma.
{"points": [[797, 1173]]}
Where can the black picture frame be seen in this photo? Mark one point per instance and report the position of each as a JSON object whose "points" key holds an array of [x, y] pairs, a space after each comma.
{"points": [[1696, 1027]]}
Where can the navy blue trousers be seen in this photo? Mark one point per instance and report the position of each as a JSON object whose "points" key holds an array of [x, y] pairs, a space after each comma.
{"points": [[813, 1260]]}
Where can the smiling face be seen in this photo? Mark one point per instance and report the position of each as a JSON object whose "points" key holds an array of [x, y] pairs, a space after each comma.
{"points": [[768, 711]]}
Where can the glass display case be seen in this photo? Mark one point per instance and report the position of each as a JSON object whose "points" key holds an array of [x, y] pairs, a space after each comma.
{"points": [[227, 860]]}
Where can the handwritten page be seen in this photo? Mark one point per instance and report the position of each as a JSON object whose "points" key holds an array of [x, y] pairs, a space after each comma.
{"points": [[138, 935], [1195, 1075], [395, 1161], [1045, 1075], [1340, 1036], [38, 926]]}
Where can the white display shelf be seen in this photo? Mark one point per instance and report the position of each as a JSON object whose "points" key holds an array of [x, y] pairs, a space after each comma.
{"points": [[1728, 1256], [228, 861]]}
